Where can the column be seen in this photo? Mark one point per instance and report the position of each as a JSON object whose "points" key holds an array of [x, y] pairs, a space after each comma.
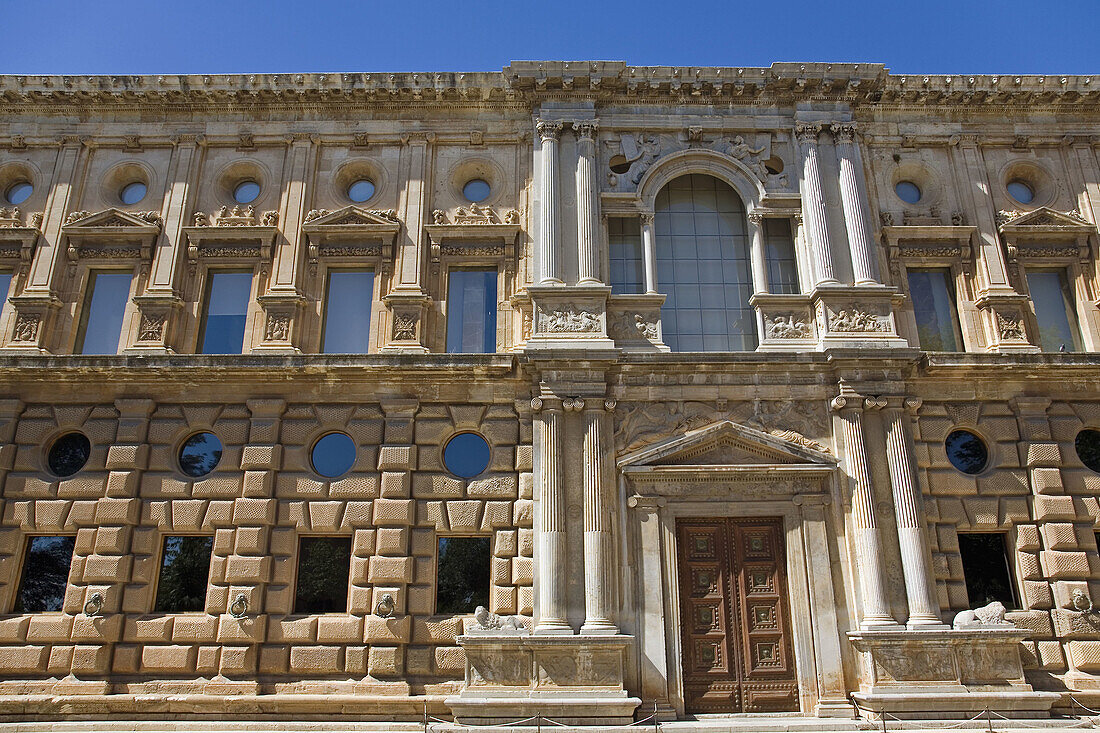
{"points": [[865, 538], [813, 201], [588, 204], [652, 646], [551, 535], [416, 165], [649, 254], [759, 265], [916, 560], [549, 133], [300, 156], [853, 196], [598, 585]]}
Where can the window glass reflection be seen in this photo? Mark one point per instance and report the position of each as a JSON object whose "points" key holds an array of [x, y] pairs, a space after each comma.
{"points": [[104, 308], [1087, 445], [324, 564], [45, 574], [5, 288], [966, 451], [462, 575], [466, 455], [184, 574], [934, 308], [779, 256], [68, 454], [200, 454], [624, 236], [227, 295], [703, 266], [472, 311], [1054, 310], [347, 311], [333, 455]]}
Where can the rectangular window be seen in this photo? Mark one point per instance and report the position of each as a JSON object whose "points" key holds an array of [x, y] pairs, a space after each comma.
{"points": [[986, 568], [934, 306], [184, 574], [348, 298], [624, 239], [104, 308], [472, 311], [1054, 310], [779, 257], [324, 564], [45, 574], [5, 286], [462, 574], [225, 311]]}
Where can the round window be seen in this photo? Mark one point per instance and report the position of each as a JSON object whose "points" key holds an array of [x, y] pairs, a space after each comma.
{"points": [[466, 455], [1087, 444], [361, 190], [966, 451], [476, 190], [19, 192], [200, 454], [246, 192], [908, 191], [1020, 191], [68, 454], [131, 193], [332, 455]]}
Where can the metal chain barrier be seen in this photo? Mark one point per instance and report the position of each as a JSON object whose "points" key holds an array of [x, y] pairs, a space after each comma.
{"points": [[431, 720]]}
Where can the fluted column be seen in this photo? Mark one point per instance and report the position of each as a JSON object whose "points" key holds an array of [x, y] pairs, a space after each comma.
{"points": [[916, 562], [588, 205], [598, 590], [865, 539], [758, 262], [853, 196], [551, 527], [813, 201], [548, 241], [649, 254]]}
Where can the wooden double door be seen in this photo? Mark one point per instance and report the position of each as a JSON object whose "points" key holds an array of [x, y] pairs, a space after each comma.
{"points": [[735, 618]]}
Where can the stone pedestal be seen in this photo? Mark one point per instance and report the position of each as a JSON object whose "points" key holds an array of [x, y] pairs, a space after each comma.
{"points": [[946, 674], [577, 680], [569, 317], [858, 317]]}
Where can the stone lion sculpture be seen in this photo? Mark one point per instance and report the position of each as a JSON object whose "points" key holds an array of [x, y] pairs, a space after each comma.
{"points": [[992, 614], [487, 621]]}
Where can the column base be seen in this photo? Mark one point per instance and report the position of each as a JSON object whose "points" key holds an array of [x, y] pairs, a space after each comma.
{"points": [[599, 628], [554, 628]]}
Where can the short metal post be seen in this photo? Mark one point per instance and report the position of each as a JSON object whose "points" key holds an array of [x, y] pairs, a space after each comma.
{"points": [[989, 719], [882, 714], [656, 725], [425, 717], [538, 722]]}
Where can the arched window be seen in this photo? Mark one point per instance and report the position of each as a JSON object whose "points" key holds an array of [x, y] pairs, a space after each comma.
{"points": [[702, 245]]}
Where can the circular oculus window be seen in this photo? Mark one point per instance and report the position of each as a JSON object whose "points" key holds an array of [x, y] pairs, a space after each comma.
{"points": [[246, 192], [333, 455], [360, 191], [18, 192], [1022, 192], [131, 193], [476, 190], [908, 191], [1087, 444], [466, 455], [199, 454], [966, 451], [68, 454]]}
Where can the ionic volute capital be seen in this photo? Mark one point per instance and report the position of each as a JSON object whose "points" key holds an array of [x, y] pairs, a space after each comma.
{"points": [[549, 129], [874, 403], [912, 404]]}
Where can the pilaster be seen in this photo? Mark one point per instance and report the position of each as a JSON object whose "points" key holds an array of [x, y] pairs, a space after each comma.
{"points": [[551, 534], [599, 559]]}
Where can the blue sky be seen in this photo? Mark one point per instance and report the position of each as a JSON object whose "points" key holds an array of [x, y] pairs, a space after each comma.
{"points": [[204, 36]]}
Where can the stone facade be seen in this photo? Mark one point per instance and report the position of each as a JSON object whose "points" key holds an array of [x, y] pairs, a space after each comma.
{"points": [[607, 448]]}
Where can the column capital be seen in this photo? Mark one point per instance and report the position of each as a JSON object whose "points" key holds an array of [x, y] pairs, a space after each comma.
{"points": [[807, 132], [844, 133], [756, 217], [549, 129], [586, 129], [646, 217]]}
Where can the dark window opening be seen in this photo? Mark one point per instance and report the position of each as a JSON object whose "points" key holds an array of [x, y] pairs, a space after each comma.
{"points": [[462, 575], [68, 454], [184, 574], [45, 574], [986, 568], [324, 564], [966, 451]]}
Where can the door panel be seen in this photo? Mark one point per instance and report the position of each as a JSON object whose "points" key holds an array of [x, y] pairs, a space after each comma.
{"points": [[735, 623]]}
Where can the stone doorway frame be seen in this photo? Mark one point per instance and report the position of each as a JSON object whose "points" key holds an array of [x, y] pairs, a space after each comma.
{"points": [[799, 492]]}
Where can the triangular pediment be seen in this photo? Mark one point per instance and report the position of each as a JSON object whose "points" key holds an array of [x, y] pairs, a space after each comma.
{"points": [[727, 443], [110, 218], [351, 216], [1044, 216]]}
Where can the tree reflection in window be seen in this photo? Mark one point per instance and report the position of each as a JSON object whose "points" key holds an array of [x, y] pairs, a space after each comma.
{"points": [[184, 572], [462, 575], [1087, 444], [68, 454], [324, 564], [45, 574], [199, 454], [966, 451]]}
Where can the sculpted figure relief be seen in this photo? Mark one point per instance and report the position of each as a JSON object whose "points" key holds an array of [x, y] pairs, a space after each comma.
{"points": [[488, 621], [990, 615]]}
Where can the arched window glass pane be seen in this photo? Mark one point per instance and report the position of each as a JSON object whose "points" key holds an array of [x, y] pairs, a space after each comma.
{"points": [[703, 266]]}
